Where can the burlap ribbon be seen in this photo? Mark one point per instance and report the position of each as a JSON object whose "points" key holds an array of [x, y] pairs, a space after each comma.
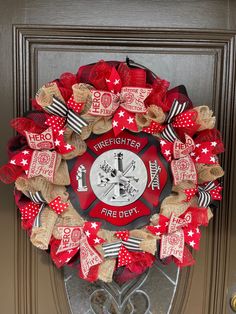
{"points": [[154, 113], [205, 118]]}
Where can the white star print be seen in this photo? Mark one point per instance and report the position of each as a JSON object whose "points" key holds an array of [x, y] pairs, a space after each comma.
{"points": [[121, 114], [13, 162], [87, 233], [197, 145], [68, 146], [57, 143], [212, 159], [213, 144], [25, 152], [116, 82], [192, 243], [130, 120], [97, 240], [162, 142], [197, 158], [158, 233], [157, 226], [108, 81], [190, 233], [114, 123], [61, 132], [205, 150], [94, 225], [197, 230], [24, 162], [167, 152]]}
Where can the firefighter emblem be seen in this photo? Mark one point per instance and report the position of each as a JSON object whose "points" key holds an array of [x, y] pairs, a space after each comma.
{"points": [[118, 177], [119, 180]]}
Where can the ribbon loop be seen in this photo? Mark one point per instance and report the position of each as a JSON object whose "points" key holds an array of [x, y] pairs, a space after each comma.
{"points": [[204, 198], [177, 108], [58, 108], [38, 199], [113, 250]]}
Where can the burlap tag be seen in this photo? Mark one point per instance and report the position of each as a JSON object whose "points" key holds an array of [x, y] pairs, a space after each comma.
{"points": [[86, 131], [142, 120], [45, 94], [39, 184], [208, 173], [106, 270], [175, 203], [149, 246], [205, 118], [40, 236], [102, 125], [154, 219], [75, 140], [154, 113], [82, 94]]}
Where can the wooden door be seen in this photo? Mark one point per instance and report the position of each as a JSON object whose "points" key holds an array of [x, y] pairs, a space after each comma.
{"points": [[189, 42]]}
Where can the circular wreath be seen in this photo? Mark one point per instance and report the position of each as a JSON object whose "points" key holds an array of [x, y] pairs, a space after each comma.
{"points": [[108, 100]]}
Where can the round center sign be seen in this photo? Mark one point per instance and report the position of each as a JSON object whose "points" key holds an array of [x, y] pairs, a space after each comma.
{"points": [[119, 181]]}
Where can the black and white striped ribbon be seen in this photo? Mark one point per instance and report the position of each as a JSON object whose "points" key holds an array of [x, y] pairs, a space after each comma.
{"points": [[112, 250], [204, 198], [37, 198], [58, 108], [168, 133]]}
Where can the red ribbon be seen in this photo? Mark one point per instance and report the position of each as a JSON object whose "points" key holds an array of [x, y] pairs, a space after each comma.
{"points": [[121, 101], [215, 193], [36, 163], [78, 238], [175, 231], [30, 210], [203, 152]]}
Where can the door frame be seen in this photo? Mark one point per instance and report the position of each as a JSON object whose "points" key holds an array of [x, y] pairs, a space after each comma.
{"points": [[30, 264]]}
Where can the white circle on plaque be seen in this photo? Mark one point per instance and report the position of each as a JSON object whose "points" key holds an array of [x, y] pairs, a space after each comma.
{"points": [[118, 177]]}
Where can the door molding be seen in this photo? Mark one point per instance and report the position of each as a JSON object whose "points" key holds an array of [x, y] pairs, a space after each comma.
{"points": [[28, 40]]}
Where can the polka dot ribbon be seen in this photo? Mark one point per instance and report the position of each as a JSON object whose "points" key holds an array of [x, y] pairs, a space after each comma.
{"points": [[33, 209], [122, 249], [206, 194], [176, 117], [67, 114]]}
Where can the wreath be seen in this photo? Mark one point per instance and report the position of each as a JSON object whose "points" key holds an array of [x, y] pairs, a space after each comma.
{"points": [[113, 170]]}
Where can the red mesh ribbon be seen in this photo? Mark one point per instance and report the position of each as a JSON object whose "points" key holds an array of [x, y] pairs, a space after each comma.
{"points": [[177, 93], [98, 74], [140, 262], [212, 135], [25, 124], [132, 77], [158, 94], [9, 173], [188, 259]]}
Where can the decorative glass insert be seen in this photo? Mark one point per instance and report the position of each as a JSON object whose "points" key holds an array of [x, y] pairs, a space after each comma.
{"points": [[152, 292]]}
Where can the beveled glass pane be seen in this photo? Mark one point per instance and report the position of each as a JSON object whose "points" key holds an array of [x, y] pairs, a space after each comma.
{"points": [[152, 292]]}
